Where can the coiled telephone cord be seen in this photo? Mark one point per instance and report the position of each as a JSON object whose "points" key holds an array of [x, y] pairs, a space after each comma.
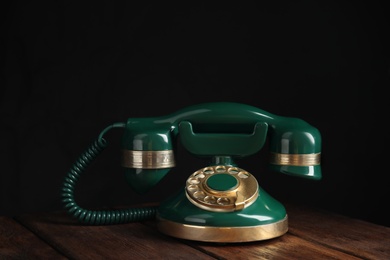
{"points": [[97, 217]]}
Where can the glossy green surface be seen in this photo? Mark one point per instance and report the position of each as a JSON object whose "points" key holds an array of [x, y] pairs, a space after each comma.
{"points": [[142, 180], [221, 182], [264, 210], [223, 130], [146, 134], [307, 172], [232, 144]]}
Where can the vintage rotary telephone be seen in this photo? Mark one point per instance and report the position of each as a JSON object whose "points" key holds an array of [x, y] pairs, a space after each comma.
{"points": [[220, 202]]}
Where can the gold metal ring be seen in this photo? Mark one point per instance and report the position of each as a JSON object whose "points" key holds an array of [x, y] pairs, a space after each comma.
{"points": [[237, 197], [148, 159], [223, 234], [295, 159]]}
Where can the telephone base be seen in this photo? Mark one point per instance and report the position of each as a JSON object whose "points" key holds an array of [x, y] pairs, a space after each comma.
{"points": [[223, 234], [266, 218]]}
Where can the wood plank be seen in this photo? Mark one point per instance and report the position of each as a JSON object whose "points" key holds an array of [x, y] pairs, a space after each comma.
{"points": [[124, 241], [285, 247], [16, 242], [362, 239], [312, 234]]}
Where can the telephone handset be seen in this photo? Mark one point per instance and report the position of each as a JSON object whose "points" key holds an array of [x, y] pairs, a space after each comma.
{"points": [[220, 202]]}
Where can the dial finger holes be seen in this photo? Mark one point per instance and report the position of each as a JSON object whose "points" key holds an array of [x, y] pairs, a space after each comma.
{"points": [[199, 195], [243, 175], [208, 170], [233, 171], [193, 181], [223, 201], [210, 199], [192, 188], [221, 188], [220, 169], [199, 174]]}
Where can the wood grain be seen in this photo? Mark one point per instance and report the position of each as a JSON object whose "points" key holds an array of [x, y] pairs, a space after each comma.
{"points": [[16, 242], [125, 241], [286, 247], [313, 234], [353, 236]]}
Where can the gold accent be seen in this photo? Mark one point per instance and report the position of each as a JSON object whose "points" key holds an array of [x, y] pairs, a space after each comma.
{"points": [[238, 197], [148, 159], [223, 234], [295, 159]]}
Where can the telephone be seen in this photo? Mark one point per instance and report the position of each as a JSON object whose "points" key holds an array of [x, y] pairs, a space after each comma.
{"points": [[220, 202]]}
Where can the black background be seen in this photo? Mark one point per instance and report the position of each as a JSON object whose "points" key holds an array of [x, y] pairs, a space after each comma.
{"points": [[69, 69]]}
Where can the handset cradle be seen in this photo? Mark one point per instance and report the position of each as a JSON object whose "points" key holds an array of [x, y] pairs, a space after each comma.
{"points": [[220, 202]]}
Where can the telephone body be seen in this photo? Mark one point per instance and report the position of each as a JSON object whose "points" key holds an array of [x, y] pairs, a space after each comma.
{"points": [[220, 202]]}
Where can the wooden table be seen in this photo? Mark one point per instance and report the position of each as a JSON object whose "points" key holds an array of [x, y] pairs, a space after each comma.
{"points": [[313, 234]]}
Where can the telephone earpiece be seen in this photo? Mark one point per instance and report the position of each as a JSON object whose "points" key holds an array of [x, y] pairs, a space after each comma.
{"points": [[220, 202]]}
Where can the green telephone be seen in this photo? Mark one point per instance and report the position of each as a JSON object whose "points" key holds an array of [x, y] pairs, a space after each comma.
{"points": [[220, 202]]}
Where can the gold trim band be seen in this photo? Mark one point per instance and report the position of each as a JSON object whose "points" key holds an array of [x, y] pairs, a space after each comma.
{"points": [[223, 234], [148, 159], [295, 159]]}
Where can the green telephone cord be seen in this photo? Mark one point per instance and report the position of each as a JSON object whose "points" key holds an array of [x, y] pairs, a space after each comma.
{"points": [[97, 217]]}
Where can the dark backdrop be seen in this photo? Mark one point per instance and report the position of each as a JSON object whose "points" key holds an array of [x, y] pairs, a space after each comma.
{"points": [[69, 69]]}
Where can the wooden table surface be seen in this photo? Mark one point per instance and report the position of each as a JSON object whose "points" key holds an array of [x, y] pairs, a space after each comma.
{"points": [[313, 234]]}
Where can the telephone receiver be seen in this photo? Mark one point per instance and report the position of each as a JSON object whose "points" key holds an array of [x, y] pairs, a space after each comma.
{"points": [[220, 202]]}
